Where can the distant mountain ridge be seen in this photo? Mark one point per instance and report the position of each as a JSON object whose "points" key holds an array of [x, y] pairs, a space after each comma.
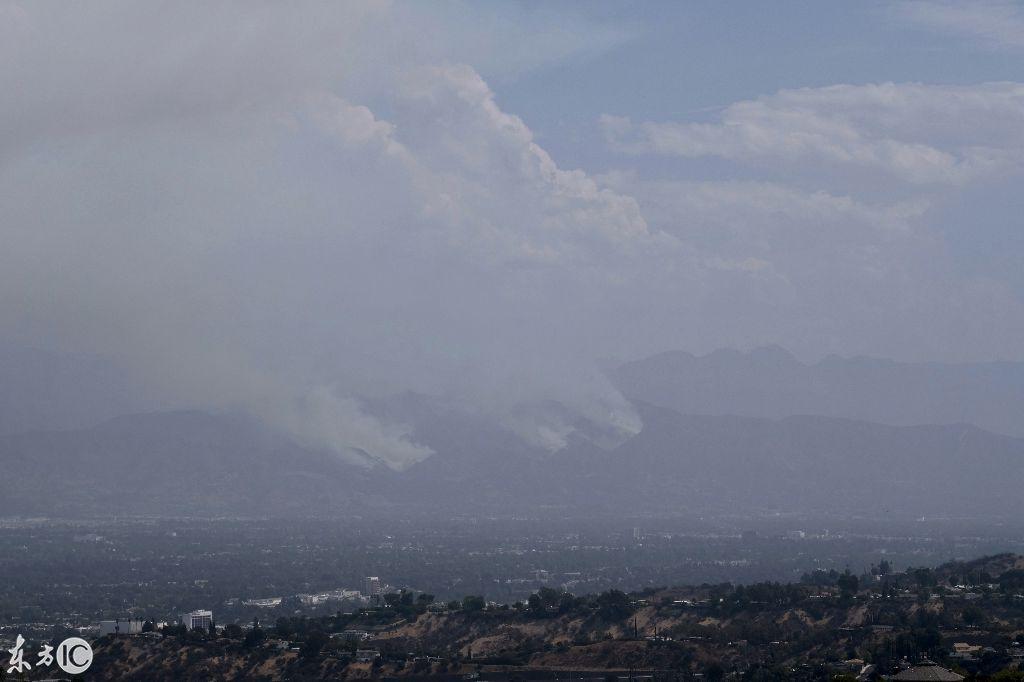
{"points": [[171, 464], [769, 382], [191, 464], [729, 432]]}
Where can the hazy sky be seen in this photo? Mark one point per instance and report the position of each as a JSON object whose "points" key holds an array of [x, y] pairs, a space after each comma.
{"points": [[283, 207]]}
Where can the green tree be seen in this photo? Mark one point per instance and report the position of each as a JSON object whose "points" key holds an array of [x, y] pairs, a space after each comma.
{"points": [[613, 605], [1012, 580], [254, 638], [283, 628], [848, 584], [315, 642], [973, 615], [546, 601], [473, 603], [928, 640], [924, 577]]}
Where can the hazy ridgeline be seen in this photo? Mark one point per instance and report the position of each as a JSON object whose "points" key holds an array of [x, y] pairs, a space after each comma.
{"points": [[756, 433]]}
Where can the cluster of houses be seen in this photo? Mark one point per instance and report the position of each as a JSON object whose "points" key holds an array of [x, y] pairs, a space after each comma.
{"points": [[359, 655], [193, 620]]}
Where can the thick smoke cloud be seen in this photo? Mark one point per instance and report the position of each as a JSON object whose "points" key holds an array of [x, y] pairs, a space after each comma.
{"points": [[286, 212], [195, 194]]}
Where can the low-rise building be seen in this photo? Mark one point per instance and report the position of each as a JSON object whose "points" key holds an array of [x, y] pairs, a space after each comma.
{"points": [[927, 671], [130, 626], [964, 651], [268, 603], [352, 635], [197, 620]]}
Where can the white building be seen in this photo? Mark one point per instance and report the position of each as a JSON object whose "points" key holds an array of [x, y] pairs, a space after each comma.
{"points": [[354, 635], [197, 620], [132, 626], [268, 603], [373, 586]]}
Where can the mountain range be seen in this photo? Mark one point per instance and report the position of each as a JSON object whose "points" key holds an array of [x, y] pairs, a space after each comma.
{"points": [[770, 382], [722, 434]]}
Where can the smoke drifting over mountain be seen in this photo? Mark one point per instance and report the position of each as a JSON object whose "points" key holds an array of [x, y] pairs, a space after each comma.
{"points": [[288, 212]]}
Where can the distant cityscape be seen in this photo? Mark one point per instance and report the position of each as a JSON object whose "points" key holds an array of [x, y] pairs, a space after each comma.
{"points": [[957, 621], [178, 576]]}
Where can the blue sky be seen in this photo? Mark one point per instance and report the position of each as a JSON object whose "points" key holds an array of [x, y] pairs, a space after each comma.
{"points": [[678, 59], [688, 60]]}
